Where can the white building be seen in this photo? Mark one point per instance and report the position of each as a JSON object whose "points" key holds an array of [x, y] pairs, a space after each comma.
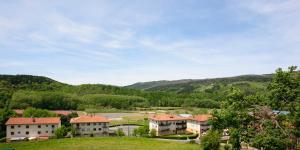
{"points": [[31, 128], [90, 125], [167, 124], [198, 124]]}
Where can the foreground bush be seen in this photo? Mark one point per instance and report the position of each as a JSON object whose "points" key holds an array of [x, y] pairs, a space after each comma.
{"points": [[211, 141]]}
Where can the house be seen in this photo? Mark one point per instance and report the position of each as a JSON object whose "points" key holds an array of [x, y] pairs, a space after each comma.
{"points": [[198, 124], [90, 125], [167, 124], [31, 128]]}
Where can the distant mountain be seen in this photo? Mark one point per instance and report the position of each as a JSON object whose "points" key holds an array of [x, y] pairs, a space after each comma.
{"points": [[193, 84]]}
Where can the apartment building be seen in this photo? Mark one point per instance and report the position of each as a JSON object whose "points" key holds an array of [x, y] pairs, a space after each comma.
{"points": [[90, 125], [31, 128], [198, 124], [167, 124]]}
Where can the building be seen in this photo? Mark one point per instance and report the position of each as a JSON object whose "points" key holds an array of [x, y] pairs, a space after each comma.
{"points": [[198, 124], [167, 124], [31, 128], [89, 125]]}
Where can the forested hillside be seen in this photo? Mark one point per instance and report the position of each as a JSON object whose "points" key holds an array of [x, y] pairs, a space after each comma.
{"points": [[194, 85], [23, 91]]}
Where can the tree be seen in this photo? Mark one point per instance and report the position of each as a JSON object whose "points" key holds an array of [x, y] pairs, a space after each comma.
{"points": [[211, 141], [61, 132], [65, 120], [284, 89]]}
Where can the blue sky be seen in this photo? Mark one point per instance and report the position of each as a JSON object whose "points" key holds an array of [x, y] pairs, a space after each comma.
{"points": [[121, 42]]}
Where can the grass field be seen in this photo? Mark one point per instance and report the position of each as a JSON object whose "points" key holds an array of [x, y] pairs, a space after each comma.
{"points": [[101, 143]]}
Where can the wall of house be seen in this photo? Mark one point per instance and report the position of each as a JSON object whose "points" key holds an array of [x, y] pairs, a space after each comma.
{"points": [[197, 127], [97, 128], [167, 127], [34, 130]]}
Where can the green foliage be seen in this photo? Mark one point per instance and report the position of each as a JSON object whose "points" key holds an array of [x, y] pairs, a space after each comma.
{"points": [[284, 89], [142, 131], [120, 132], [153, 133], [211, 141], [61, 132], [180, 136], [65, 120], [36, 112]]}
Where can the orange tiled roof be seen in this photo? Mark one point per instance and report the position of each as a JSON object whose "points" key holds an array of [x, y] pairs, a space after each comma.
{"points": [[166, 117], [87, 118], [205, 117], [48, 120]]}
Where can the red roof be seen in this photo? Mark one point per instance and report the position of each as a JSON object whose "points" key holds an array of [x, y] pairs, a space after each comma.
{"points": [[62, 112], [19, 111], [48, 120], [86, 119], [166, 117], [201, 118]]}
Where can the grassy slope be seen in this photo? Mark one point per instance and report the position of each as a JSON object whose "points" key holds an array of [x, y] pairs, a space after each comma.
{"points": [[107, 143]]}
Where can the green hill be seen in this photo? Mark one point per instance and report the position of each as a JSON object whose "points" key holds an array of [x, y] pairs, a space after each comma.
{"points": [[194, 85]]}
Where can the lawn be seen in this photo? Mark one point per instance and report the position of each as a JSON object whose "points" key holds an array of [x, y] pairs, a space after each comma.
{"points": [[101, 143]]}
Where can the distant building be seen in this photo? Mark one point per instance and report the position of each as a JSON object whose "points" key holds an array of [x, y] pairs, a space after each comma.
{"points": [[90, 125], [198, 124], [31, 128], [63, 112], [167, 124]]}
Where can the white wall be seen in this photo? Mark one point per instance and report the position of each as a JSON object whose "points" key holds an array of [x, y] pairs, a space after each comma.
{"points": [[20, 130], [85, 129]]}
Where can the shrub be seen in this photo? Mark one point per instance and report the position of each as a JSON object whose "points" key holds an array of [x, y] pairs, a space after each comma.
{"points": [[120, 132], [211, 141], [153, 133], [60, 132]]}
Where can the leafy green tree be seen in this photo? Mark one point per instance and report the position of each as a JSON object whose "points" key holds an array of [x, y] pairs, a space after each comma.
{"points": [[65, 120], [211, 141]]}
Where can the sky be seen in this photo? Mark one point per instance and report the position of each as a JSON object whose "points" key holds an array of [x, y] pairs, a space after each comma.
{"points": [[121, 42]]}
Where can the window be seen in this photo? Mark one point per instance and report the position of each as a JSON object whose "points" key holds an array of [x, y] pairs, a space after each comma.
{"points": [[12, 133], [19, 132], [27, 126], [77, 124], [99, 123], [52, 131], [39, 126], [12, 127], [27, 132], [46, 125], [82, 129], [94, 124], [99, 129], [53, 126], [39, 132], [88, 124], [95, 129], [46, 131], [19, 126]]}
